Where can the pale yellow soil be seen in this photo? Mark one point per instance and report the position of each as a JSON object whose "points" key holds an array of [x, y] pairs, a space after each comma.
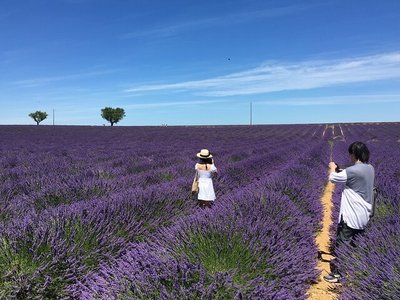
{"points": [[323, 290]]}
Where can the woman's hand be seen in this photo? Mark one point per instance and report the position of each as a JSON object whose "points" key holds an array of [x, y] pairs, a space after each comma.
{"points": [[332, 166]]}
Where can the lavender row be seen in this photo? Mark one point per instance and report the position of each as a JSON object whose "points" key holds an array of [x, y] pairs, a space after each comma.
{"points": [[235, 251], [64, 243]]}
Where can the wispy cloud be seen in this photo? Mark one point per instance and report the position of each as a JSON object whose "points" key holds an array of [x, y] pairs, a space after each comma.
{"points": [[45, 80], [274, 77], [14, 55], [332, 100], [171, 104], [226, 20], [5, 14]]}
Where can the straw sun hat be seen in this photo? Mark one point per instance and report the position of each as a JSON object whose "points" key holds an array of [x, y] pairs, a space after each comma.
{"points": [[204, 153]]}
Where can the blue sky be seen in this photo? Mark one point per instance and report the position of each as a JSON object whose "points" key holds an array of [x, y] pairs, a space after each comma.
{"points": [[200, 62]]}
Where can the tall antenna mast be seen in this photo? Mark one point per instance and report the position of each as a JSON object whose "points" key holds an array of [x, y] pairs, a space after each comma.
{"points": [[251, 113]]}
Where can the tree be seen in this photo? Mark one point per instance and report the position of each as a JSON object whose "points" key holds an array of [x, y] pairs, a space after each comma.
{"points": [[113, 115], [38, 116]]}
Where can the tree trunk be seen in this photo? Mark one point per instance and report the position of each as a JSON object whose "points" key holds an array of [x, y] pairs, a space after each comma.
{"points": [[112, 123]]}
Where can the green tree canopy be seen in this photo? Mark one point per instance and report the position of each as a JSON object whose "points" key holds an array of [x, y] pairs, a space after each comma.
{"points": [[113, 115], [38, 116]]}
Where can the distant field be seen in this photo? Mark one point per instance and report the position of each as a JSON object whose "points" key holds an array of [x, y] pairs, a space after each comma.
{"points": [[105, 212]]}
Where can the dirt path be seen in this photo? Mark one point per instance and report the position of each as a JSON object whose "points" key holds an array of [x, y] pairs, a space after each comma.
{"points": [[323, 290], [329, 126]]}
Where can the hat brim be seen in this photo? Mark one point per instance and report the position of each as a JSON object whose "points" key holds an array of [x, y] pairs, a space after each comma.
{"points": [[199, 156]]}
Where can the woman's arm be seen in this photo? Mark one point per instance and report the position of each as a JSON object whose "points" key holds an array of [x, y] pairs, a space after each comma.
{"points": [[340, 177]]}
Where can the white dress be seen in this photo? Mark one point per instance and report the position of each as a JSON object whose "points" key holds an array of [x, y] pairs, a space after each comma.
{"points": [[206, 188]]}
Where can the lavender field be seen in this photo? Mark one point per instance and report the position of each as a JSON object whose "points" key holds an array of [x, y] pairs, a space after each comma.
{"points": [[106, 213]]}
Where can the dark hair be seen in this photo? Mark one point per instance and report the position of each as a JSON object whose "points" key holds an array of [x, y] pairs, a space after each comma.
{"points": [[360, 151], [205, 161]]}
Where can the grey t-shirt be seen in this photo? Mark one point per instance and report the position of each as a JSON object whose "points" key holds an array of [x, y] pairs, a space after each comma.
{"points": [[360, 178], [357, 196]]}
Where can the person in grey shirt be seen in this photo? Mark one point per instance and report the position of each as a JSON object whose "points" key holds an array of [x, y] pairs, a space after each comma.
{"points": [[357, 199]]}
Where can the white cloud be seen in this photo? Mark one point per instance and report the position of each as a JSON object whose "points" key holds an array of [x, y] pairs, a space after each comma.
{"points": [[226, 20], [332, 100], [274, 77], [171, 104], [45, 80]]}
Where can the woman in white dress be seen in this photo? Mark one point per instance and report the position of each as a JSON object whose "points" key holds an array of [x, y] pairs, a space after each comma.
{"points": [[205, 168]]}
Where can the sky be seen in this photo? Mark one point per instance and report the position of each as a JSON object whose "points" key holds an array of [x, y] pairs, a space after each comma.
{"points": [[200, 62]]}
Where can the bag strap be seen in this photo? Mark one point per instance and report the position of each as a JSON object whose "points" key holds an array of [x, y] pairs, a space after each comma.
{"points": [[375, 192]]}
